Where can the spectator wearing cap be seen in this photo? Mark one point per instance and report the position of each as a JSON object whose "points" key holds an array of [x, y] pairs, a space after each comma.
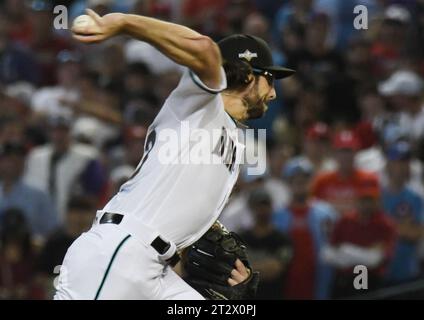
{"points": [[35, 204], [390, 43], [374, 159], [406, 208], [340, 187], [79, 218], [58, 100], [63, 167], [269, 249], [316, 147], [365, 236], [403, 90], [307, 223]]}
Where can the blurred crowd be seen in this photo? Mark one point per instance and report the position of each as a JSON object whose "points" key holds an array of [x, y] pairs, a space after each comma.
{"points": [[345, 138]]}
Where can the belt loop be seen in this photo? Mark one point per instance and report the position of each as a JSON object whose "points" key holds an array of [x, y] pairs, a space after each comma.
{"points": [[169, 253], [171, 256], [99, 214]]}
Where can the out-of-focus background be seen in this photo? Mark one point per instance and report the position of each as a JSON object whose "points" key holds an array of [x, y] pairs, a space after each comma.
{"points": [[345, 140]]}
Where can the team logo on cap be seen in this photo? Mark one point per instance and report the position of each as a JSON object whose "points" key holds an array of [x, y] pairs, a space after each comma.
{"points": [[248, 55]]}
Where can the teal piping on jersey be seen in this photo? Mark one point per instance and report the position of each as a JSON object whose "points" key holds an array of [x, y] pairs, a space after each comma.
{"points": [[202, 86], [110, 265], [237, 123]]}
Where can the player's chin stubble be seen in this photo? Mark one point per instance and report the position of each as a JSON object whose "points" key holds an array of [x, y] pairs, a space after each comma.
{"points": [[255, 107]]}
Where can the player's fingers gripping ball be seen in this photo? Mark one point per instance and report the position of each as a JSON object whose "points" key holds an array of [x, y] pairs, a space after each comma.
{"points": [[209, 263], [83, 23], [91, 24]]}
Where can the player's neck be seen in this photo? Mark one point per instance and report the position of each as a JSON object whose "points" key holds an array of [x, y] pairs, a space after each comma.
{"points": [[234, 105]]}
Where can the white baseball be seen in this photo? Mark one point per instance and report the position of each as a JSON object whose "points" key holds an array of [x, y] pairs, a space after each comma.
{"points": [[83, 21]]}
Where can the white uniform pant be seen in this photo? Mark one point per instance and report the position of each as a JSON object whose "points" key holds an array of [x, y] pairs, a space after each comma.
{"points": [[109, 263]]}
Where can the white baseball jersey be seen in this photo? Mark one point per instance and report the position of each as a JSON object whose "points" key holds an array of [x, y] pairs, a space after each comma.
{"points": [[168, 192]]}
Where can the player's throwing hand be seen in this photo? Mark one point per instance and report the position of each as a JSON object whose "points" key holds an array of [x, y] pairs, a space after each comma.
{"points": [[96, 28]]}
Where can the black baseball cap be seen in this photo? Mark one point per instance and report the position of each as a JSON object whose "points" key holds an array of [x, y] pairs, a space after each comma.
{"points": [[255, 51]]}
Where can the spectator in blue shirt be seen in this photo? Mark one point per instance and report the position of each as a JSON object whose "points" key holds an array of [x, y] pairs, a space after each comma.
{"points": [[406, 208], [16, 62], [15, 194], [307, 223]]}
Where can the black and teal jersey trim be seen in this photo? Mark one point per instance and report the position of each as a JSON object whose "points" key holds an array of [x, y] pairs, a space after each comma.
{"points": [[201, 85]]}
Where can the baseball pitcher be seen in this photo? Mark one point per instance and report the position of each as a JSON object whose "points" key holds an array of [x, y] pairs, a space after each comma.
{"points": [[170, 202]]}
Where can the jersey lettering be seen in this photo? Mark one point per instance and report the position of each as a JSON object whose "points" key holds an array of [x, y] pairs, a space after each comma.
{"points": [[226, 149]]}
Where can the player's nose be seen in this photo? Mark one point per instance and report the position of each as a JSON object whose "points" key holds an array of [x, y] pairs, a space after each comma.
{"points": [[272, 94]]}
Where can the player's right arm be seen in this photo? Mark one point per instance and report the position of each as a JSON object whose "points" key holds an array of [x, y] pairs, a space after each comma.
{"points": [[181, 44]]}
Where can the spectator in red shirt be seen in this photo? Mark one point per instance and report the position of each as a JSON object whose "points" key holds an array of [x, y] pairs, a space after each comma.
{"points": [[341, 186], [366, 236]]}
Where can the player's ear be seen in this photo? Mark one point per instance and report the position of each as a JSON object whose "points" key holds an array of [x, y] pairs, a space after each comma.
{"points": [[239, 75], [249, 82], [249, 78]]}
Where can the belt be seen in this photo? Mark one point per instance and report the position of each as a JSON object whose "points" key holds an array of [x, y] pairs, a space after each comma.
{"points": [[160, 245]]}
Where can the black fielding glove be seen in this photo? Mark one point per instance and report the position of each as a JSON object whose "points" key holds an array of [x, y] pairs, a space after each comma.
{"points": [[209, 261]]}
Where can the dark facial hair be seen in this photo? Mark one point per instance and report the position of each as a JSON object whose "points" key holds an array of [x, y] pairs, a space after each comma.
{"points": [[256, 106]]}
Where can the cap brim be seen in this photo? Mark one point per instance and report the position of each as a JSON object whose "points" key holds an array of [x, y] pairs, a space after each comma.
{"points": [[280, 72]]}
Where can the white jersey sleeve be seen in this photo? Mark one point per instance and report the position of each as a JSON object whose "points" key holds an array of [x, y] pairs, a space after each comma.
{"points": [[192, 96]]}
